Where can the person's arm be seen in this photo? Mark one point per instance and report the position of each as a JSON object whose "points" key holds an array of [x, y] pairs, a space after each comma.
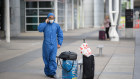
{"points": [[105, 22], [41, 27], [59, 35]]}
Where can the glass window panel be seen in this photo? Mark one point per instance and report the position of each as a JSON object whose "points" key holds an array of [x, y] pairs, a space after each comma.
{"points": [[42, 19], [31, 20], [31, 12], [61, 19], [31, 27], [48, 4], [61, 13], [60, 5], [31, 4], [45, 12]]}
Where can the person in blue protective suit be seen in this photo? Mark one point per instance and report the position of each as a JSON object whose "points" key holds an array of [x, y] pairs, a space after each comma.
{"points": [[53, 38]]}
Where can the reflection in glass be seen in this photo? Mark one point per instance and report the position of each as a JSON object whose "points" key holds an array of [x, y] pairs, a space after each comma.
{"points": [[31, 12], [60, 19], [48, 4], [61, 5], [45, 12], [31, 4], [42, 19], [31, 27], [31, 19], [69, 18], [61, 13]]}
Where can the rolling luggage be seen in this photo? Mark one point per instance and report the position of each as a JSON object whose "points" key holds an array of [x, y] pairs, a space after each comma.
{"points": [[88, 67], [102, 35]]}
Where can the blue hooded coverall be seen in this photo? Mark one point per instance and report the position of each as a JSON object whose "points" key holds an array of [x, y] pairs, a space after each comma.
{"points": [[53, 35]]}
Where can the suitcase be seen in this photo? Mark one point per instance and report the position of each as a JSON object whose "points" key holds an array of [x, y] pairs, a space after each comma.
{"points": [[102, 35], [88, 67]]}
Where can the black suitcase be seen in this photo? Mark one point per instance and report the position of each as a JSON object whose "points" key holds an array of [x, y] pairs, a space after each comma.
{"points": [[102, 35], [88, 67]]}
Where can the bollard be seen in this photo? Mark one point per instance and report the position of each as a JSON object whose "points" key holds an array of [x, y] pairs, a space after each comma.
{"points": [[100, 49]]}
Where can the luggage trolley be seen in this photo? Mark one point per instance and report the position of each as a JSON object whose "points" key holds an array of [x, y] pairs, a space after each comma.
{"points": [[71, 69], [69, 65]]}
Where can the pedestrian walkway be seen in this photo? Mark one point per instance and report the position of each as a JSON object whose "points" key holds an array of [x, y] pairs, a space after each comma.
{"points": [[137, 56], [116, 62]]}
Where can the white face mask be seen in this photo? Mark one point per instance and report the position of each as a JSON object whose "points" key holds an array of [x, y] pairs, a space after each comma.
{"points": [[51, 21]]}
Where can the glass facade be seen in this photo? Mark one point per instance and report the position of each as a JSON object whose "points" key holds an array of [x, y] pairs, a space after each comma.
{"points": [[32, 12], [36, 13], [69, 17], [48, 4], [31, 19], [61, 13], [31, 4], [44, 12]]}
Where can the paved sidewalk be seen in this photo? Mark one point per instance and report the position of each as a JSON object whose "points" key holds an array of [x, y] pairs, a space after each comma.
{"points": [[137, 56], [117, 61]]}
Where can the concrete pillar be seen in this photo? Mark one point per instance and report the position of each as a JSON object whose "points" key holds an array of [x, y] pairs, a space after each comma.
{"points": [[66, 14], [88, 13], [78, 14], [56, 11], [98, 13], [15, 18], [7, 20], [106, 7], [22, 15], [72, 15], [82, 13]]}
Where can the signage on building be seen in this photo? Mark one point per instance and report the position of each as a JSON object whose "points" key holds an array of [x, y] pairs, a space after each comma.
{"points": [[129, 18]]}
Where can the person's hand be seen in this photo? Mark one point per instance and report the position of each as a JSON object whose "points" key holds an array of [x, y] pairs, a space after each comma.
{"points": [[47, 20], [58, 46]]}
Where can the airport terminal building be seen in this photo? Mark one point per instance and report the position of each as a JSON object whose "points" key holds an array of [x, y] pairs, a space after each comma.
{"points": [[26, 15], [19, 16]]}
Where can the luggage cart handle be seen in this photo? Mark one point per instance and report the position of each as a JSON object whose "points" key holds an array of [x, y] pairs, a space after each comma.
{"points": [[84, 40]]}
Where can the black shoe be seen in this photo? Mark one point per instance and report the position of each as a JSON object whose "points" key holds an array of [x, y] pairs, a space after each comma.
{"points": [[51, 76]]}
